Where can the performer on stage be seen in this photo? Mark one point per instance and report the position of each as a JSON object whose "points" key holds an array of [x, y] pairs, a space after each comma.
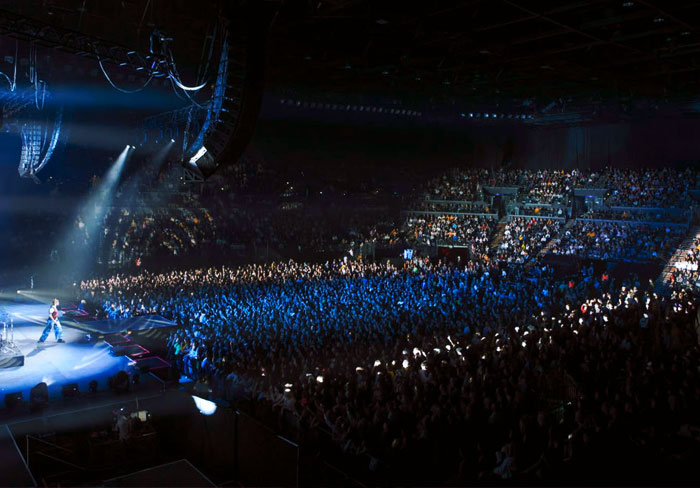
{"points": [[53, 322]]}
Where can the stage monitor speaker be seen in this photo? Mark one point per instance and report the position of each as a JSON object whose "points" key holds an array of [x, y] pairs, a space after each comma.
{"points": [[13, 400], [70, 390], [120, 382], [39, 397]]}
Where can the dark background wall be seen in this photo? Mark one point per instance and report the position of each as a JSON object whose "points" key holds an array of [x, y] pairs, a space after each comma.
{"points": [[648, 143]]}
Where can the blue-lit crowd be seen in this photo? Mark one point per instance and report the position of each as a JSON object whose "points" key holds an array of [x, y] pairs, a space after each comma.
{"points": [[487, 369], [466, 365]]}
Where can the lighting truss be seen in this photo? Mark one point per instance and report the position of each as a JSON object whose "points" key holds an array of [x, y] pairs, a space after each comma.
{"points": [[49, 36]]}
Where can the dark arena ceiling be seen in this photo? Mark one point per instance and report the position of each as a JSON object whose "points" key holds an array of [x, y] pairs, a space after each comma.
{"points": [[480, 48], [519, 55], [491, 49]]}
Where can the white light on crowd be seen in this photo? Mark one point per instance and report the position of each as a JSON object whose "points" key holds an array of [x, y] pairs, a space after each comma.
{"points": [[205, 407], [405, 364], [377, 363], [319, 379]]}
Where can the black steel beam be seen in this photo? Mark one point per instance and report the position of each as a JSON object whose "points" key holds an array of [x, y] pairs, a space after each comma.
{"points": [[73, 42]]}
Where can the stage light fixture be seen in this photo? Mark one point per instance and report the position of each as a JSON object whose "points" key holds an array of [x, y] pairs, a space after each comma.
{"points": [[70, 390], [201, 152], [13, 400], [38, 397], [120, 382]]}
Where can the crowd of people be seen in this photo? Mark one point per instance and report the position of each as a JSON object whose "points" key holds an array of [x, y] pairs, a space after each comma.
{"points": [[137, 233], [482, 371], [540, 210], [455, 206], [685, 271], [622, 241], [631, 187], [140, 228], [547, 186], [524, 238], [488, 369], [657, 215], [650, 188], [446, 229]]}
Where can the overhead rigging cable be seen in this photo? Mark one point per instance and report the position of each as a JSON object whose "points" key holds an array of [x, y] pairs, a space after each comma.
{"points": [[174, 80], [12, 87], [176, 92], [34, 78], [183, 87], [14, 76], [123, 90], [31, 62], [36, 93], [13, 81], [175, 76]]}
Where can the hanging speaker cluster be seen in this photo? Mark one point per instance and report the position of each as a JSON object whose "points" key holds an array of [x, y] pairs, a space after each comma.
{"points": [[236, 93]]}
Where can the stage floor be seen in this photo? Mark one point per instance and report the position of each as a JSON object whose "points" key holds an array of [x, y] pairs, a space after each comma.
{"points": [[75, 361]]}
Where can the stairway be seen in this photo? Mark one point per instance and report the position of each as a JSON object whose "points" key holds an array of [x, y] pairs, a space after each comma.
{"points": [[497, 236], [548, 247], [687, 243]]}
